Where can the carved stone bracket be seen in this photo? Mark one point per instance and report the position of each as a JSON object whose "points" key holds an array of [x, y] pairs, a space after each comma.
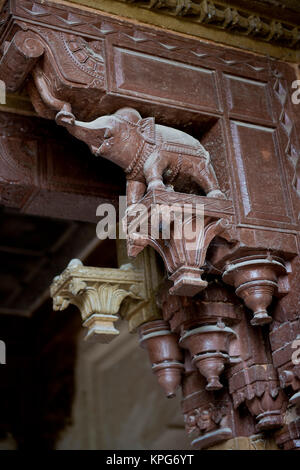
{"points": [[98, 293], [191, 223], [288, 437], [210, 213], [285, 341]]}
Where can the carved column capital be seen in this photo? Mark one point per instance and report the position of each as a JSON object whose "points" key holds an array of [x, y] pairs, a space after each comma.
{"points": [[98, 293]]}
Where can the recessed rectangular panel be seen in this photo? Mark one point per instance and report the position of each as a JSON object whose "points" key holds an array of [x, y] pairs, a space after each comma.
{"points": [[146, 76], [248, 98], [262, 188]]}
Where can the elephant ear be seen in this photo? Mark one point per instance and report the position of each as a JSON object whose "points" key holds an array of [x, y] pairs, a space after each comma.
{"points": [[147, 129]]}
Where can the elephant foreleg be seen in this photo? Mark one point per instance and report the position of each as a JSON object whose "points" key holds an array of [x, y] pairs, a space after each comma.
{"points": [[153, 170]]}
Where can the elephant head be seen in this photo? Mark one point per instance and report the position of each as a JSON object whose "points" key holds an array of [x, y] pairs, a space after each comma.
{"points": [[115, 137]]}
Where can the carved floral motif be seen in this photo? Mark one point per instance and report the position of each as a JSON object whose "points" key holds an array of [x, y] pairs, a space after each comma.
{"points": [[256, 281]]}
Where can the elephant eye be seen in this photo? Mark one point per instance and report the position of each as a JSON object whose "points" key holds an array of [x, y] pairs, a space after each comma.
{"points": [[107, 134]]}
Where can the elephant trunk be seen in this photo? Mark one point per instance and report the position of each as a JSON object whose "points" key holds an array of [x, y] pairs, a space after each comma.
{"points": [[92, 133]]}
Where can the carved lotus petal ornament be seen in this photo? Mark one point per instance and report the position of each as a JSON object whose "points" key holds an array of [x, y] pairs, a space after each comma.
{"points": [[256, 282], [209, 348]]}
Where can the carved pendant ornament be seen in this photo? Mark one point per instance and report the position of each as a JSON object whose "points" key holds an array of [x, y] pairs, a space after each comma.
{"points": [[210, 191]]}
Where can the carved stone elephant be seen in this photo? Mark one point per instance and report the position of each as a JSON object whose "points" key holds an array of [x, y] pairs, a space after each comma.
{"points": [[151, 155]]}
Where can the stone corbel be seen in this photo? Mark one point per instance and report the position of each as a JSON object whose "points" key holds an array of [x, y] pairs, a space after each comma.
{"points": [[199, 220], [209, 346], [36, 56], [98, 293], [288, 437], [19, 58]]}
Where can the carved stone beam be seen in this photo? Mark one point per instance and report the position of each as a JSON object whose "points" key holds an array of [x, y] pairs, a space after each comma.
{"points": [[229, 17], [98, 293], [255, 279], [180, 228]]}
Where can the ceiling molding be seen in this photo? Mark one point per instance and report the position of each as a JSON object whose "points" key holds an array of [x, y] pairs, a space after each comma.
{"points": [[213, 21], [229, 17]]}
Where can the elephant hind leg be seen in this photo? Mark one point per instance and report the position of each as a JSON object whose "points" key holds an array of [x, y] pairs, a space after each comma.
{"points": [[204, 175]]}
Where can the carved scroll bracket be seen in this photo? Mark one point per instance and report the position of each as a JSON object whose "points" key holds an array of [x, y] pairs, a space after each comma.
{"points": [[98, 293], [19, 58]]}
